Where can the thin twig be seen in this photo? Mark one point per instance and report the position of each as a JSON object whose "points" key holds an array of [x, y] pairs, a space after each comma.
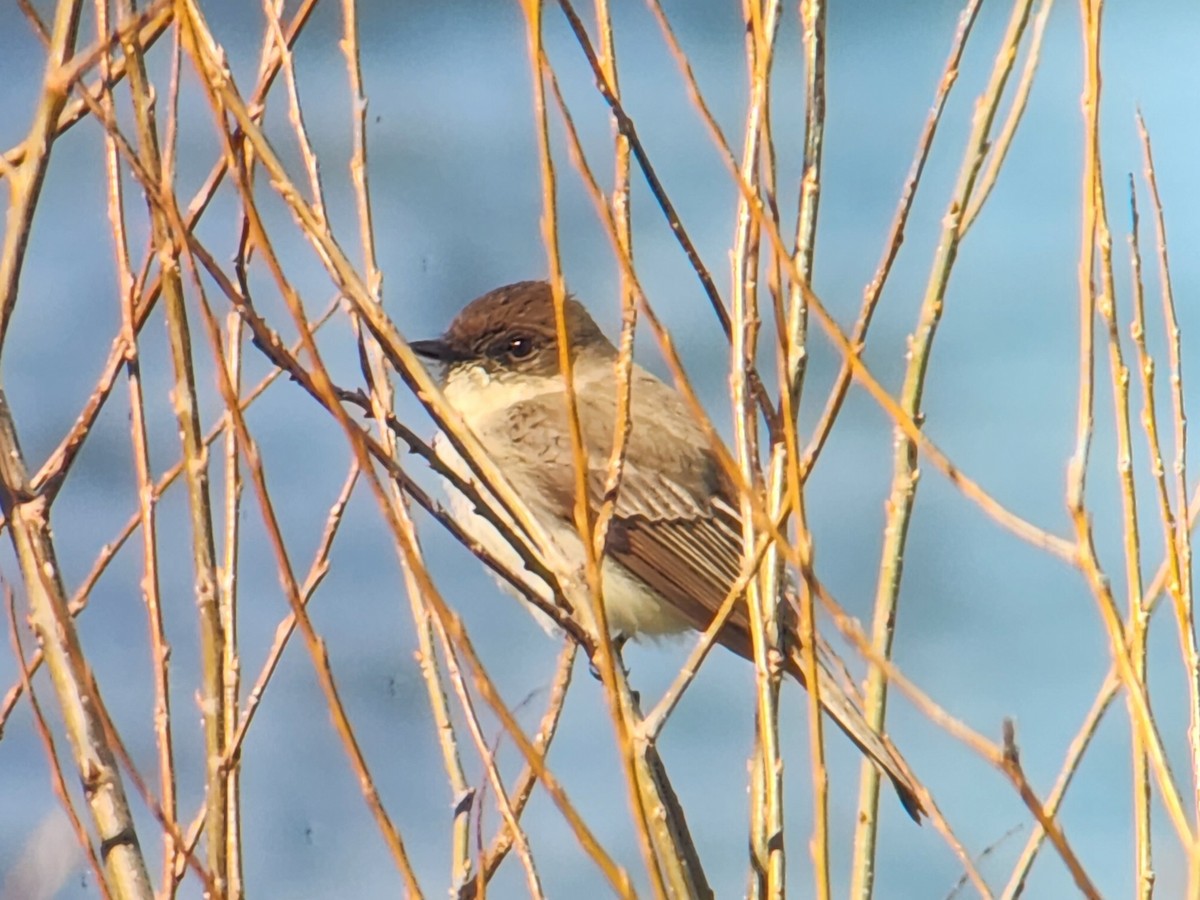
{"points": [[1096, 235], [766, 838], [1012, 766], [524, 784], [140, 439], [1181, 591], [186, 402], [57, 777], [905, 475]]}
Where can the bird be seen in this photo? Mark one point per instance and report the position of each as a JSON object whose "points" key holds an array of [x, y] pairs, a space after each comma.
{"points": [[674, 547]]}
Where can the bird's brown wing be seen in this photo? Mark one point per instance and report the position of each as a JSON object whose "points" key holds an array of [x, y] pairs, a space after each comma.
{"points": [[688, 551], [681, 535]]}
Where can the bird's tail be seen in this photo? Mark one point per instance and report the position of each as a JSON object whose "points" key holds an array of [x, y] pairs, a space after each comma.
{"points": [[837, 702]]}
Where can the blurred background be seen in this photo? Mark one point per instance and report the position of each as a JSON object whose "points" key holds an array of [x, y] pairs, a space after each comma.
{"points": [[457, 206]]}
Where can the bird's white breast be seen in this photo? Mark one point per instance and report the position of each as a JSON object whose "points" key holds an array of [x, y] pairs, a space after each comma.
{"points": [[477, 394]]}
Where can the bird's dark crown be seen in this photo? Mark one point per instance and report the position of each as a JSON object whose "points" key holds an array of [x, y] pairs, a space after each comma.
{"points": [[513, 327]]}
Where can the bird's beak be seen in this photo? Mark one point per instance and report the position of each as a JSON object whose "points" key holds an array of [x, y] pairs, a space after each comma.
{"points": [[437, 349]]}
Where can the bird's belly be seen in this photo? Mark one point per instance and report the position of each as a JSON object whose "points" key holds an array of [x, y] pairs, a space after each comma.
{"points": [[633, 609]]}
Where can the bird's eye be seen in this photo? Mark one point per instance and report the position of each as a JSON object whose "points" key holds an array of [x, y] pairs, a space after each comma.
{"points": [[520, 346], [512, 346]]}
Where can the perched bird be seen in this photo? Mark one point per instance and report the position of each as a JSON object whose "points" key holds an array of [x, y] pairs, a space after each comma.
{"points": [[674, 547]]}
